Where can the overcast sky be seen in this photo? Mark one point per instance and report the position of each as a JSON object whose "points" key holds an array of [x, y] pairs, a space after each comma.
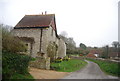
{"points": [[92, 22]]}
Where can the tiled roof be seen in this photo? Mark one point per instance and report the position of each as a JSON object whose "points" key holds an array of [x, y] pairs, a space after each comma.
{"points": [[35, 21], [95, 51], [91, 55]]}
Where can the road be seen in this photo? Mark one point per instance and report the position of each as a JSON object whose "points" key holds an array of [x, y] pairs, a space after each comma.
{"points": [[91, 71]]}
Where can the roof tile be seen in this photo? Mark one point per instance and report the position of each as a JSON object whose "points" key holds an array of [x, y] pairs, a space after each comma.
{"points": [[35, 20]]}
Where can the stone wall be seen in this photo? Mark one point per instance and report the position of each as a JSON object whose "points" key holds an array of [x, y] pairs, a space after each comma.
{"points": [[45, 40], [48, 36], [35, 33], [40, 62], [61, 48]]}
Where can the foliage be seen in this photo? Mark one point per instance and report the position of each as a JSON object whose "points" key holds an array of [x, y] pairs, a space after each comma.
{"points": [[33, 59], [51, 50], [110, 51], [14, 63], [64, 34], [68, 66], [58, 60], [115, 44], [68, 51], [83, 46], [108, 66], [10, 43], [27, 76], [70, 43], [106, 50], [66, 58]]}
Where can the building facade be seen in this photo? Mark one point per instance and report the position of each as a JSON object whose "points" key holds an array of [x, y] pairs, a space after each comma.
{"points": [[39, 32]]}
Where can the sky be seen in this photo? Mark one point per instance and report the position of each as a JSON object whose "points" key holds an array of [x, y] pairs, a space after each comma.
{"points": [[92, 22]]}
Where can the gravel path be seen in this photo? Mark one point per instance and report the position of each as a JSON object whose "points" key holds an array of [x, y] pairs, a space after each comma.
{"points": [[46, 74], [90, 71]]}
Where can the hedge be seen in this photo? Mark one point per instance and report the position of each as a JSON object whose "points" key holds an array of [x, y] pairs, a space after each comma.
{"points": [[14, 63]]}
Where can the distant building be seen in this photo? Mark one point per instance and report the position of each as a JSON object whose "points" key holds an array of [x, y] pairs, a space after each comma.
{"points": [[97, 55], [95, 52], [91, 55]]}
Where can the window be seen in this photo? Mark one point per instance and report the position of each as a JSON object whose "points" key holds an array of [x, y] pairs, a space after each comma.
{"points": [[26, 44]]}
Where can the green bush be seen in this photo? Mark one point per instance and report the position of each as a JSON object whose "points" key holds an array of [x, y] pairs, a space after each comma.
{"points": [[14, 63], [33, 59], [11, 43]]}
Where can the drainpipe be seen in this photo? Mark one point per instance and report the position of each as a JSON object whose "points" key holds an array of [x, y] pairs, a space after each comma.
{"points": [[40, 40]]}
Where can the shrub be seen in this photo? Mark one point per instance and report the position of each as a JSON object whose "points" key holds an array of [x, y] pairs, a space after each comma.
{"points": [[33, 59], [66, 58], [58, 60], [10, 43], [14, 63]]}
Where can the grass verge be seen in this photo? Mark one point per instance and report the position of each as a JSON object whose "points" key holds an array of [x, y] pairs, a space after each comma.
{"points": [[69, 66], [108, 67], [21, 76]]}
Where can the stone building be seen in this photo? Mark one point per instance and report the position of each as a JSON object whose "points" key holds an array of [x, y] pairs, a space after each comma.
{"points": [[39, 32]]}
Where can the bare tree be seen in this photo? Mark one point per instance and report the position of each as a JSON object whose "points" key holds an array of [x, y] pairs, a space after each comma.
{"points": [[64, 33], [71, 45], [116, 45]]}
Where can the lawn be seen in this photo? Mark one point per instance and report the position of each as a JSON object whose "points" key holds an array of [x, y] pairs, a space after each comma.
{"points": [[69, 66], [108, 67]]}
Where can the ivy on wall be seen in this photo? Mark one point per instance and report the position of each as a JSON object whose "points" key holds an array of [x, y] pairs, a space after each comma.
{"points": [[52, 51]]}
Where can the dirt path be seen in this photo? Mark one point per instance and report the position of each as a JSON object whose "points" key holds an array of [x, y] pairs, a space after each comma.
{"points": [[91, 71], [46, 74]]}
